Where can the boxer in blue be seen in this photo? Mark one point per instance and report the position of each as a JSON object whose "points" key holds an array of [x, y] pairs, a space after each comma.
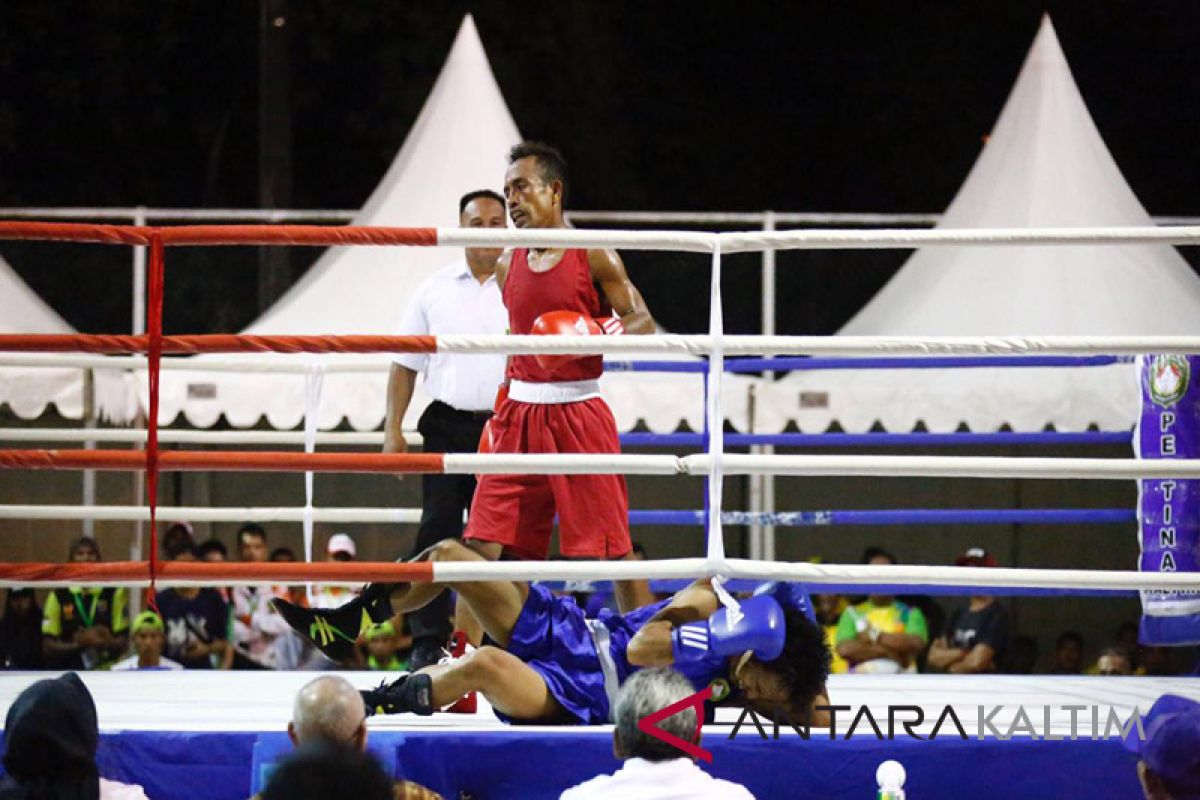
{"points": [[545, 663]]}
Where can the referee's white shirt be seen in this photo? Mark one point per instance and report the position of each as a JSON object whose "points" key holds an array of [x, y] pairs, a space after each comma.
{"points": [[451, 301]]}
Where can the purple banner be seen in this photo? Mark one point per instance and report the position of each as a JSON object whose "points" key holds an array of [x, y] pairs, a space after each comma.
{"points": [[1169, 509]]}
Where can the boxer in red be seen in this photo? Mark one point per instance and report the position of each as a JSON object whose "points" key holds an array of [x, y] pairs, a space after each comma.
{"points": [[554, 403]]}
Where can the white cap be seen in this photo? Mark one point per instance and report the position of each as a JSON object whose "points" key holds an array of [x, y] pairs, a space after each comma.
{"points": [[341, 543]]}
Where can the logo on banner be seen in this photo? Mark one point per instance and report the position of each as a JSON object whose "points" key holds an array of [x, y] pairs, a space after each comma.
{"points": [[1169, 379]]}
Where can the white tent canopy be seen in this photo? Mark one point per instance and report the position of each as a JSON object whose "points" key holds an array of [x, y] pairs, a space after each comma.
{"points": [[459, 143], [1044, 165], [30, 391]]}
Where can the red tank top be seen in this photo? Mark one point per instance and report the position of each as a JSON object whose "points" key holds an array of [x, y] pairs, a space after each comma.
{"points": [[567, 286]]}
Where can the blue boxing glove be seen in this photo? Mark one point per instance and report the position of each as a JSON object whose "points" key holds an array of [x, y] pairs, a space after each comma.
{"points": [[789, 595], [759, 628]]}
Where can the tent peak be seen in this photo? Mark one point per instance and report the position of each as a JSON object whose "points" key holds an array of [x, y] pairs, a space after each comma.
{"points": [[1046, 48]]}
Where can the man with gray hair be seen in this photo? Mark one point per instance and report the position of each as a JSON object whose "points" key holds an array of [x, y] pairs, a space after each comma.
{"points": [[654, 769]]}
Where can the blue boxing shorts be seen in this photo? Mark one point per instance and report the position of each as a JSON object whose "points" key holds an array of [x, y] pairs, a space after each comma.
{"points": [[552, 636]]}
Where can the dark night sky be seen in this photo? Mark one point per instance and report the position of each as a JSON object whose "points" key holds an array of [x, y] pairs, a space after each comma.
{"points": [[722, 106]]}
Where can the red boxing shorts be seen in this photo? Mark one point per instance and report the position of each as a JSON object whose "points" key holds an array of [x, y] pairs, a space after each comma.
{"points": [[517, 511]]}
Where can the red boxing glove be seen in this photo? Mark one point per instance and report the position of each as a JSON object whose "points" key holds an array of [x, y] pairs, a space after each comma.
{"points": [[501, 396], [563, 323]]}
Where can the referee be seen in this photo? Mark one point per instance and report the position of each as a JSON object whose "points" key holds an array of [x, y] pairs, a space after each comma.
{"points": [[462, 298]]}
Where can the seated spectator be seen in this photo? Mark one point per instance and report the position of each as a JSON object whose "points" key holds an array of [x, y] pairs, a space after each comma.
{"points": [[324, 771], [1023, 655], [196, 620], [21, 631], [212, 550], [829, 609], [977, 636], [1114, 660], [339, 548], [294, 594], [84, 628], [177, 537], [1127, 636], [1169, 756], [384, 646], [654, 769], [329, 710], [881, 635], [1068, 654], [1156, 661], [148, 643], [257, 628], [50, 739]]}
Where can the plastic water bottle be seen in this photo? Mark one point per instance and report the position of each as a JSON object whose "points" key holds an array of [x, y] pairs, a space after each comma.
{"points": [[890, 778]]}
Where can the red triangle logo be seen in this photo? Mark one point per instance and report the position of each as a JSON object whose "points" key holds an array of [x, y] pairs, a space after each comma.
{"points": [[649, 724]]}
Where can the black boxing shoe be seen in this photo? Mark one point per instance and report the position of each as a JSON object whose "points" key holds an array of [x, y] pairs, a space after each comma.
{"points": [[411, 694], [332, 631], [335, 631]]}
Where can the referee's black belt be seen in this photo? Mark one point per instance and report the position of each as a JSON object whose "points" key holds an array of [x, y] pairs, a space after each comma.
{"points": [[446, 408]]}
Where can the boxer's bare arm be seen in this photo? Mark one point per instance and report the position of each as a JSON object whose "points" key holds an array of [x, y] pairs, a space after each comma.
{"points": [[651, 646]]}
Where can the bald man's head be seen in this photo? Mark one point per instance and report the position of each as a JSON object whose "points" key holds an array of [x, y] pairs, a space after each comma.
{"points": [[329, 709]]}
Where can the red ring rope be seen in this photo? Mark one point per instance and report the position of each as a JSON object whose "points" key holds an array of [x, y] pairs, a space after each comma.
{"points": [[312, 235], [155, 344], [268, 572], [233, 461], [214, 343]]}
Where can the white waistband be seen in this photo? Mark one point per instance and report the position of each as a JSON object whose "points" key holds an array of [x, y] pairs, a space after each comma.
{"points": [[551, 393], [601, 638]]}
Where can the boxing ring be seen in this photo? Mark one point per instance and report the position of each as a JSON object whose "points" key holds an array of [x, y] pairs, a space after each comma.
{"points": [[211, 734]]}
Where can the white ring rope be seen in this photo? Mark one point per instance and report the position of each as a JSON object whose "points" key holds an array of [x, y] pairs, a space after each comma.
{"points": [[691, 568], [979, 467], [949, 466], [823, 239], [211, 514], [718, 345], [168, 436], [698, 345], [824, 465], [292, 365], [873, 574], [824, 345]]}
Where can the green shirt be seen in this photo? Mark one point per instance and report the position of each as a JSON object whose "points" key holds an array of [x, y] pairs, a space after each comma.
{"points": [[897, 617]]}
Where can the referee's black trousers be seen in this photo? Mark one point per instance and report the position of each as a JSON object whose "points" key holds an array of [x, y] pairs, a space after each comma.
{"points": [[444, 499]]}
